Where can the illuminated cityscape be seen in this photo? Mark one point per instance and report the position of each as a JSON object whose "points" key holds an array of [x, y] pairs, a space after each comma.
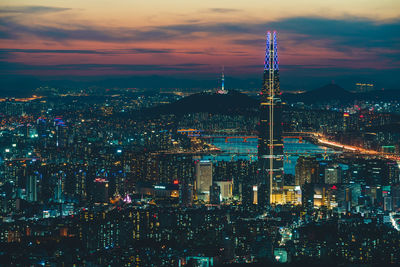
{"points": [[199, 134]]}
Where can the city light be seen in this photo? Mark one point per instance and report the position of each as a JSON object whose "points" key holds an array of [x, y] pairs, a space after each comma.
{"points": [[147, 133]]}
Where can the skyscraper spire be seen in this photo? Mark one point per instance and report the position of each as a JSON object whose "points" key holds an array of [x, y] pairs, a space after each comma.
{"points": [[270, 144], [223, 80], [276, 65]]}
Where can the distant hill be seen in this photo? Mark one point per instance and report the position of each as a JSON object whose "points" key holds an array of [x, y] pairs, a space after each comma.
{"points": [[382, 95], [333, 92], [326, 93], [241, 104], [232, 103]]}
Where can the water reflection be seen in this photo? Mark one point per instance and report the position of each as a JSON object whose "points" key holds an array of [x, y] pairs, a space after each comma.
{"points": [[240, 149]]}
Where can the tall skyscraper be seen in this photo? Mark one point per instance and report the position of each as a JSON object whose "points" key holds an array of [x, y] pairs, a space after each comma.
{"points": [[270, 143]]}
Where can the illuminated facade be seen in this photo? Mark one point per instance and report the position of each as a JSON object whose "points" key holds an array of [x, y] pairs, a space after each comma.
{"points": [[270, 143], [204, 174], [307, 170]]}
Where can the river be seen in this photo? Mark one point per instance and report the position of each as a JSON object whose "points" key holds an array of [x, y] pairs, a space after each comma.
{"points": [[237, 149]]}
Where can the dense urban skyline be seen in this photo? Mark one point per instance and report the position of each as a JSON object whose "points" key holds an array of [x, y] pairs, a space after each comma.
{"points": [[151, 133], [177, 41]]}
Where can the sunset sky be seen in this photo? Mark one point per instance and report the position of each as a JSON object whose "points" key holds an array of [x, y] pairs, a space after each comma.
{"points": [[319, 41]]}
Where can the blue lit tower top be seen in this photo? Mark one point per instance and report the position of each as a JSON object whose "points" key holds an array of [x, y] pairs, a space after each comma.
{"points": [[271, 67], [267, 52], [276, 65], [271, 53]]}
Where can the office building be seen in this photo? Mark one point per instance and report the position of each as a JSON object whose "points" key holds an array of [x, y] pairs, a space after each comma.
{"points": [[226, 188], [204, 174], [333, 174], [307, 170]]}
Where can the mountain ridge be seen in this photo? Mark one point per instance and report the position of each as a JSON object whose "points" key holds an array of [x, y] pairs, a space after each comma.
{"points": [[236, 102], [232, 102]]}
